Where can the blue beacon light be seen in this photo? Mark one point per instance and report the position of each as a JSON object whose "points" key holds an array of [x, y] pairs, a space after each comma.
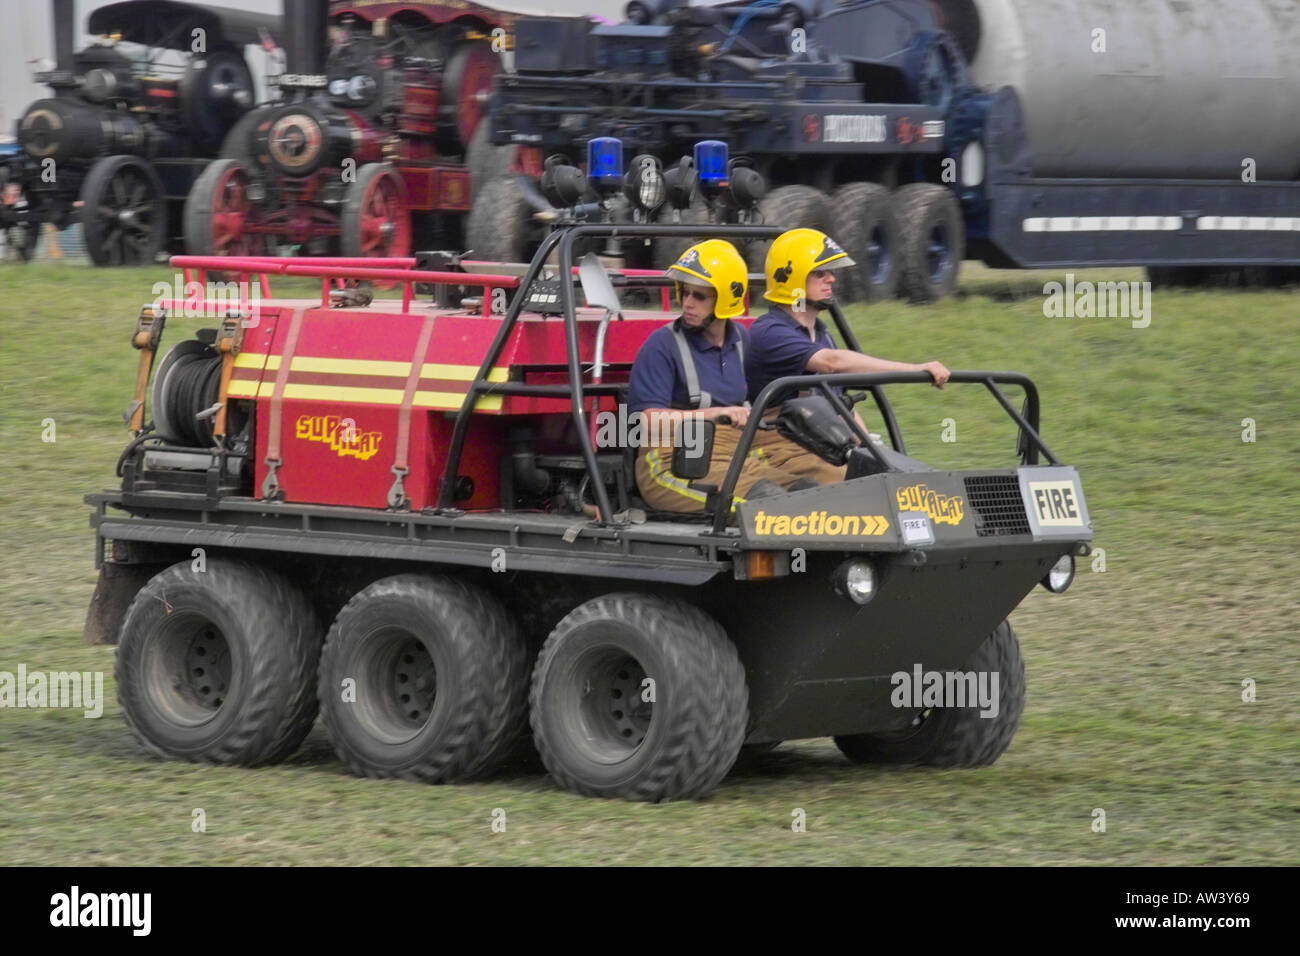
{"points": [[711, 162], [605, 163]]}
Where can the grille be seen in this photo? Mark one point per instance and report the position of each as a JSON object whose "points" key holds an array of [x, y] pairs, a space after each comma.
{"points": [[998, 506]]}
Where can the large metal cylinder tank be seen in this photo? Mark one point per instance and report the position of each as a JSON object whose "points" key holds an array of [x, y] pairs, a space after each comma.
{"points": [[1184, 88]]}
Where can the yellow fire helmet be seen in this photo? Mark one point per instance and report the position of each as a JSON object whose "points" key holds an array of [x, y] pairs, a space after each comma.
{"points": [[793, 255], [715, 263]]}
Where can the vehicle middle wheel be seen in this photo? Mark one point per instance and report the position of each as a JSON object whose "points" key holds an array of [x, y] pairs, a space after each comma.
{"points": [[423, 678], [640, 697]]}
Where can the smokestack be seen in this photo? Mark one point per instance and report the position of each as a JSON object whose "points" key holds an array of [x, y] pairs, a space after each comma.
{"points": [[65, 31], [304, 35]]}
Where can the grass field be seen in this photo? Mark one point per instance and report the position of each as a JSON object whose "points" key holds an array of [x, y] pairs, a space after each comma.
{"points": [[1135, 675]]}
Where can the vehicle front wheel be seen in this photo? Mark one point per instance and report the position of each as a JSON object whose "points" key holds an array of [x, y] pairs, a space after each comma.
{"points": [[956, 736], [640, 697]]}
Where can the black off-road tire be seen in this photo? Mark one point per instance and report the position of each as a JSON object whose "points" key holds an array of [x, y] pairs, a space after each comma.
{"points": [[240, 624], [956, 737], [476, 660], [694, 728], [667, 251], [485, 160], [865, 227], [500, 226], [791, 207], [933, 241]]}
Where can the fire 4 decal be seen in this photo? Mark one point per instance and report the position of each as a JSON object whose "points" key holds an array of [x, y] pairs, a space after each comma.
{"points": [[942, 509], [341, 434]]}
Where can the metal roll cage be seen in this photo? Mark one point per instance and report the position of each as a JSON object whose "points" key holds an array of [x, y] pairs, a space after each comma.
{"points": [[562, 240]]}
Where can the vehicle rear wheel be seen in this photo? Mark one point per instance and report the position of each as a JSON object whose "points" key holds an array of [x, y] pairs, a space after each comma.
{"points": [[423, 678], [123, 212], [791, 207], [376, 220], [218, 665], [218, 213], [640, 697], [932, 241], [866, 229], [956, 736]]}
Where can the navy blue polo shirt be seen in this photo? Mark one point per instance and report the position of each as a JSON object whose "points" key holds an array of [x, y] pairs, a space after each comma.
{"points": [[779, 346], [657, 380]]}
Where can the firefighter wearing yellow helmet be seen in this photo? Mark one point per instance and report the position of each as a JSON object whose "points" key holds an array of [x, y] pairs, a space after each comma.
{"points": [[790, 339], [695, 368]]}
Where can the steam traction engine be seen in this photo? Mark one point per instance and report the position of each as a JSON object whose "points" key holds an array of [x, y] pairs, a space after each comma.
{"points": [[132, 121], [371, 147]]}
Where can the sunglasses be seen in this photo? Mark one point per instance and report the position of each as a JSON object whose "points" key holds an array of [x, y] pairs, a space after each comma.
{"points": [[698, 294]]}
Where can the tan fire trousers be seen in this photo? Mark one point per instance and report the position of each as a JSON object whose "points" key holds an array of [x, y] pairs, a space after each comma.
{"points": [[664, 491], [792, 458]]}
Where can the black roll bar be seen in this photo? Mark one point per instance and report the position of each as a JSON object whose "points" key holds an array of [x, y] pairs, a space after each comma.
{"points": [[827, 384]]}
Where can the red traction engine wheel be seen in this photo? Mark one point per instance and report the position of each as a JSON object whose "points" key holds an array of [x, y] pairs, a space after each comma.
{"points": [[218, 213], [376, 218]]}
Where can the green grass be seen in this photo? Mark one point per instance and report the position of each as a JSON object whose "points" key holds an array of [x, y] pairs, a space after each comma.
{"points": [[1134, 675]]}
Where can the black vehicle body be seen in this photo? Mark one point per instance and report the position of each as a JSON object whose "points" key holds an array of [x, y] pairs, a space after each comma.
{"points": [[124, 135]]}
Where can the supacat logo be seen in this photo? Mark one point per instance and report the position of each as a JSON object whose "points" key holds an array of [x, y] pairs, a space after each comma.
{"points": [[819, 523], [942, 509], [340, 434]]}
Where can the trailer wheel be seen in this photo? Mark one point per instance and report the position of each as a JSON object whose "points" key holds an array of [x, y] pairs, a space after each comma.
{"points": [[376, 220], [218, 213], [790, 207], [218, 665], [956, 737], [123, 212], [485, 160], [423, 678], [640, 697], [500, 226], [932, 242], [865, 227], [668, 251]]}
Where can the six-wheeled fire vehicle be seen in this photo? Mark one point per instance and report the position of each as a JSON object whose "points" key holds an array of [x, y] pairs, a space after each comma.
{"points": [[403, 513], [133, 120], [375, 141]]}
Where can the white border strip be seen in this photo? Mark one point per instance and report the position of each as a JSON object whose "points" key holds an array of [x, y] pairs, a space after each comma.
{"points": [[1103, 224], [1247, 224]]}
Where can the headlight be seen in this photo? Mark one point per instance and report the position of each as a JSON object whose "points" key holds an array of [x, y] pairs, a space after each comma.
{"points": [[1061, 575], [856, 580], [972, 164]]}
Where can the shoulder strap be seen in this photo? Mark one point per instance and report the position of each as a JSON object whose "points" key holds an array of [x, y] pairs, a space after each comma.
{"points": [[698, 398]]}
